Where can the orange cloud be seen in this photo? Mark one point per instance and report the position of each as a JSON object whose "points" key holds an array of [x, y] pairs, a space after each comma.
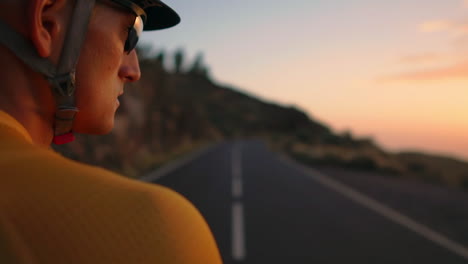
{"points": [[435, 26], [421, 58], [457, 27], [461, 44], [453, 72]]}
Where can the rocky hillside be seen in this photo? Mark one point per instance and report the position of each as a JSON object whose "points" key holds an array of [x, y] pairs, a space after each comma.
{"points": [[169, 113]]}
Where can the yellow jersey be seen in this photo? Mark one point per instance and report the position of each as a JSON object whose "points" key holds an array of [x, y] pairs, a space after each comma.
{"points": [[55, 210]]}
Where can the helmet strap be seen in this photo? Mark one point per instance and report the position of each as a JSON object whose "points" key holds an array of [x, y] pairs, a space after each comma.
{"points": [[24, 50], [63, 83], [61, 77]]}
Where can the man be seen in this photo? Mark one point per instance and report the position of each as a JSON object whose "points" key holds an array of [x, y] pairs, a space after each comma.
{"points": [[52, 209]]}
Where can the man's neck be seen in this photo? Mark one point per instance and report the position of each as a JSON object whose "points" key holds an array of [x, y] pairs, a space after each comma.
{"points": [[26, 96], [35, 124]]}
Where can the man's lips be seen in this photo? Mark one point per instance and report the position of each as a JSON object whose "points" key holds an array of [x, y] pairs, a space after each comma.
{"points": [[117, 99]]}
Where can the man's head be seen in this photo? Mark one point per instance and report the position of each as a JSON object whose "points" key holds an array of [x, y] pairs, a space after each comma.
{"points": [[92, 40]]}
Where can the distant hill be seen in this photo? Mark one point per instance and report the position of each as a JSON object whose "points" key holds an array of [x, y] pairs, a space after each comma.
{"points": [[437, 169], [167, 114]]}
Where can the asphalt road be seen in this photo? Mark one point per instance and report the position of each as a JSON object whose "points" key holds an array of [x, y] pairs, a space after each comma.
{"points": [[263, 209]]}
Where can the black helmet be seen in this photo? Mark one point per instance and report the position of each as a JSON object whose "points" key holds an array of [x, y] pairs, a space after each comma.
{"points": [[155, 15]]}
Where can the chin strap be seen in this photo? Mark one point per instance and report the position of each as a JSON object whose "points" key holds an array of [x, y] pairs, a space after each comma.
{"points": [[63, 82], [61, 77]]}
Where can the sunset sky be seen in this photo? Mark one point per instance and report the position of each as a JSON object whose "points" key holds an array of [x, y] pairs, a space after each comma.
{"points": [[396, 71]]}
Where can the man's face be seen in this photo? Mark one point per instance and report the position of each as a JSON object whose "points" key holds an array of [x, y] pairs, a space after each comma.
{"points": [[103, 69]]}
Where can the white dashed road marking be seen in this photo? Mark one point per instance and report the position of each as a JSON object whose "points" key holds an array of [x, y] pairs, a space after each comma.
{"points": [[238, 239], [237, 188], [238, 230]]}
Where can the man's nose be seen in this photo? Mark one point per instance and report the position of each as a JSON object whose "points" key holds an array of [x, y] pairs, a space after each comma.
{"points": [[130, 69]]}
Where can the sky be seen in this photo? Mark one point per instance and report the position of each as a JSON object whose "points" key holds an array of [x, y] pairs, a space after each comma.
{"points": [[396, 71]]}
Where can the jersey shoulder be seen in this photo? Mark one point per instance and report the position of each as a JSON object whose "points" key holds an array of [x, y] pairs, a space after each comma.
{"points": [[106, 211]]}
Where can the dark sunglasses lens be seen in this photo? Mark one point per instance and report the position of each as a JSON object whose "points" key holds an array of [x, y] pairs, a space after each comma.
{"points": [[134, 34], [132, 40]]}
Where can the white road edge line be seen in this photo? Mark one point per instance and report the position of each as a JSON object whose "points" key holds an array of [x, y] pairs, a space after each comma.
{"points": [[175, 165], [238, 245], [381, 209]]}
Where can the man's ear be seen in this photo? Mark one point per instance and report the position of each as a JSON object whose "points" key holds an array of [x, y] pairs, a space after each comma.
{"points": [[47, 25]]}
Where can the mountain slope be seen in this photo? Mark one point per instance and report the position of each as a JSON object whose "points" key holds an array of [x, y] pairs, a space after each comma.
{"points": [[167, 114]]}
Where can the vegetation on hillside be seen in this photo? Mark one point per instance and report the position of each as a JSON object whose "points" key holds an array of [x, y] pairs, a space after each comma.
{"points": [[169, 113]]}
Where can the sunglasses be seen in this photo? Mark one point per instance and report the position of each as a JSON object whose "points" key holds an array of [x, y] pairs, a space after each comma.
{"points": [[134, 34], [136, 30]]}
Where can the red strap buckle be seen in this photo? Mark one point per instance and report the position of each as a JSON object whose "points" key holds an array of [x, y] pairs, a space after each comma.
{"points": [[64, 139]]}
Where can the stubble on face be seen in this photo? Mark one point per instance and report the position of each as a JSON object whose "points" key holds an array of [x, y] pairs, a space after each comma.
{"points": [[98, 81]]}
